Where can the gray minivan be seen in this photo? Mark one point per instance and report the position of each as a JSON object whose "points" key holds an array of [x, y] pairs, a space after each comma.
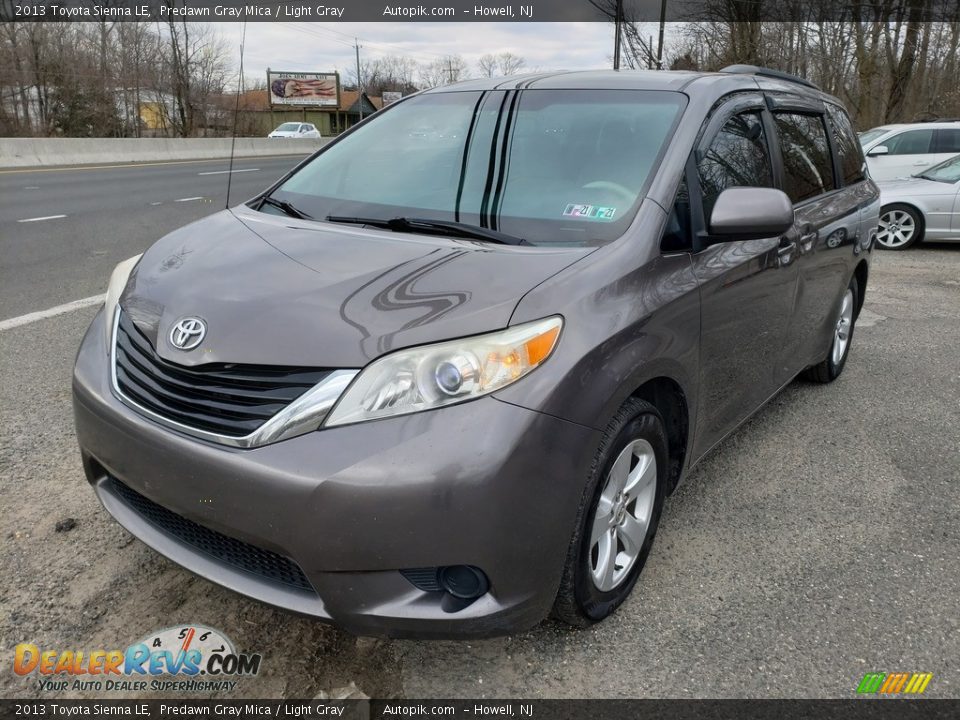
{"points": [[440, 384]]}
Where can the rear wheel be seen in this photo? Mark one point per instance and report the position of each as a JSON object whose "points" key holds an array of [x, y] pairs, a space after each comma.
{"points": [[618, 516], [900, 227], [829, 369]]}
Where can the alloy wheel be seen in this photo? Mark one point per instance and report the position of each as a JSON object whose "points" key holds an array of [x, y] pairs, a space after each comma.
{"points": [[623, 515], [844, 325], [897, 228]]}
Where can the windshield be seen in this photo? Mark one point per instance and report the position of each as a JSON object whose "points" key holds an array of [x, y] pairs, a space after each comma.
{"points": [[288, 127], [549, 166], [948, 171], [869, 136]]}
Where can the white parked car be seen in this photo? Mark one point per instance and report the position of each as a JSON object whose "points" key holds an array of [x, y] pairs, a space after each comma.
{"points": [[295, 130], [926, 205], [895, 151]]}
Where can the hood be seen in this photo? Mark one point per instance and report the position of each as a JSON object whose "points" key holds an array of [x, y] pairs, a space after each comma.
{"points": [[279, 291], [912, 186]]}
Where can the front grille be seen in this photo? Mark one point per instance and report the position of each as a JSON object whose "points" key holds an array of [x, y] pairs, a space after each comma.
{"points": [[263, 563], [226, 399]]}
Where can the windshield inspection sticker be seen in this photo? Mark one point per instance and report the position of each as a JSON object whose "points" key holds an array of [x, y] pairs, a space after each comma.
{"points": [[591, 212]]}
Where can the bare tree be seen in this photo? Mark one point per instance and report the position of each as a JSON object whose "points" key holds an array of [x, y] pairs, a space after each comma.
{"points": [[505, 63], [396, 73], [443, 71]]}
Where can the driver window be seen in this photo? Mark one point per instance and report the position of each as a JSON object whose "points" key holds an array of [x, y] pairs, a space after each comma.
{"points": [[737, 157]]}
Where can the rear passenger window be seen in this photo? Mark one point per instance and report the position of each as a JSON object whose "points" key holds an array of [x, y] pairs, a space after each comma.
{"points": [[807, 165], [948, 141], [912, 142], [848, 147], [737, 157]]}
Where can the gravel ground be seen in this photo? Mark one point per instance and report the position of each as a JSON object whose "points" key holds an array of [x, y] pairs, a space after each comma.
{"points": [[821, 541]]}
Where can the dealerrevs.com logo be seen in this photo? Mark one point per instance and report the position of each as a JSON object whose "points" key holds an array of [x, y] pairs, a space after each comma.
{"points": [[894, 683], [186, 658]]}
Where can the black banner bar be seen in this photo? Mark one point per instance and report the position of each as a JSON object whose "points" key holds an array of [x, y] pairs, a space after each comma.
{"points": [[515, 709], [465, 10]]}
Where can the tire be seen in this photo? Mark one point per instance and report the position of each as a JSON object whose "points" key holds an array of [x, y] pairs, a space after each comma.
{"points": [[829, 369], [637, 438], [900, 227]]}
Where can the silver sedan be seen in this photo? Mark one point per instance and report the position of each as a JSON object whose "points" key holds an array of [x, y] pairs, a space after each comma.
{"points": [[923, 206]]}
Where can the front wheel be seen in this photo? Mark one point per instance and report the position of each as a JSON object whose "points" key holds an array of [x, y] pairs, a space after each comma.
{"points": [[900, 227], [829, 369], [618, 516]]}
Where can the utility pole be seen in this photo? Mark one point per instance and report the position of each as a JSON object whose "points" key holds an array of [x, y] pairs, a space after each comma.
{"points": [[616, 39], [356, 46], [663, 21]]}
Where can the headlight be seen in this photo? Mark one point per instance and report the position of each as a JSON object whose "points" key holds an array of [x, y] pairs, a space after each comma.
{"points": [[433, 376], [118, 281]]}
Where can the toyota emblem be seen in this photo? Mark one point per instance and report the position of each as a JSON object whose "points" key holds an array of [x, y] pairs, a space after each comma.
{"points": [[187, 333]]}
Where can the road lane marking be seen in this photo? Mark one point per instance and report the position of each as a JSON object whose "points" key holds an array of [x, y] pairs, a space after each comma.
{"points": [[45, 217], [226, 172], [253, 158], [198, 197], [31, 187], [52, 312], [157, 203]]}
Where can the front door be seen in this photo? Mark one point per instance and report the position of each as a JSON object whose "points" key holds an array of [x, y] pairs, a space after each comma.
{"points": [[747, 287]]}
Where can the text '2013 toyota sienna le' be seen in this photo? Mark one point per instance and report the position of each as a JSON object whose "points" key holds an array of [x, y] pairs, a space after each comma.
{"points": [[439, 379]]}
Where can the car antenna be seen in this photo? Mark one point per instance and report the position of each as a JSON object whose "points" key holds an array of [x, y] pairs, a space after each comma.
{"points": [[236, 112]]}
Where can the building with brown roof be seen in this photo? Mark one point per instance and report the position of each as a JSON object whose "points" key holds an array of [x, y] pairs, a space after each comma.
{"points": [[258, 117]]}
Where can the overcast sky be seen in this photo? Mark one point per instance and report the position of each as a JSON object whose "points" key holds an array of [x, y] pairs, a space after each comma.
{"points": [[321, 47]]}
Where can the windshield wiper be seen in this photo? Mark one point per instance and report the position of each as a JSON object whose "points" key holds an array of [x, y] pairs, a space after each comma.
{"points": [[289, 208], [428, 226]]}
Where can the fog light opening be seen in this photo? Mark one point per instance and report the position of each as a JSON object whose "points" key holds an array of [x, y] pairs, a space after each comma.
{"points": [[456, 586], [463, 582]]}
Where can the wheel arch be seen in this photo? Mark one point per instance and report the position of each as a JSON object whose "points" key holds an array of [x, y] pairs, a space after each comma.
{"points": [[860, 273], [668, 397]]}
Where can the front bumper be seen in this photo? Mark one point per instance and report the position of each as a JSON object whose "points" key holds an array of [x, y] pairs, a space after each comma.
{"points": [[485, 483]]}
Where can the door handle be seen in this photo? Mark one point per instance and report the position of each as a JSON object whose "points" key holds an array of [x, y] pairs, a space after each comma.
{"points": [[785, 251]]}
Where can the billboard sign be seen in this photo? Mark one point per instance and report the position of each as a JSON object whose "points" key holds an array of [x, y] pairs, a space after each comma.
{"points": [[297, 88]]}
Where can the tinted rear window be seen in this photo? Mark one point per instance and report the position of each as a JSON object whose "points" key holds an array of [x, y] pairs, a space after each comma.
{"points": [[948, 140], [807, 164], [849, 152]]}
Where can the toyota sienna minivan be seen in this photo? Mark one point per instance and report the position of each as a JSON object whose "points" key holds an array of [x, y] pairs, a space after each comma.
{"points": [[442, 385]]}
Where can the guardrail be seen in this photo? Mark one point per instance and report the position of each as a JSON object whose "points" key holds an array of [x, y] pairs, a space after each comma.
{"points": [[42, 152]]}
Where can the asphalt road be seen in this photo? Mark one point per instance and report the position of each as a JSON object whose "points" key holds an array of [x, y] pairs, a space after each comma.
{"points": [[110, 214], [820, 542]]}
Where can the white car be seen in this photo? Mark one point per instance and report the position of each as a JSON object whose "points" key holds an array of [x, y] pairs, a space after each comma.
{"points": [[295, 130], [924, 206], [895, 151]]}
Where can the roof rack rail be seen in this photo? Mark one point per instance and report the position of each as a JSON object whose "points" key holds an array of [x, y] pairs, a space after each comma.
{"points": [[767, 72]]}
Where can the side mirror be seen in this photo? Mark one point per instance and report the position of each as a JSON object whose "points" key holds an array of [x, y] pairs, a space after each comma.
{"points": [[879, 150], [748, 213]]}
